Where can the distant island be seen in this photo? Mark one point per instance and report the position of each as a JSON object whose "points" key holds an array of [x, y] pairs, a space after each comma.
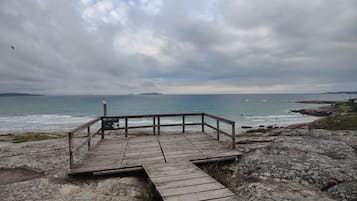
{"points": [[18, 94], [342, 92], [152, 93]]}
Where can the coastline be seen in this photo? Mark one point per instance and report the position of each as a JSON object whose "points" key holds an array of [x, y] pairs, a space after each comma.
{"points": [[273, 166]]}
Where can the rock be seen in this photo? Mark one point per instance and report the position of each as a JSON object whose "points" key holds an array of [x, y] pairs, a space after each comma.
{"points": [[344, 191], [44, 163], [299, 164], [246, 127], [318, 112], [126, 186]]}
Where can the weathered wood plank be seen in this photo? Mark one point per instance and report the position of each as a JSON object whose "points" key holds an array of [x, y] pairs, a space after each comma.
{"points": [[188, 182], [220, 193], [230, 198], [178, 177], [189, 189]]}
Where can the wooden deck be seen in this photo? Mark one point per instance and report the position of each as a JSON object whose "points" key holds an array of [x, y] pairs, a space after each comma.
{"points": [[168, 159], [135, 152]]}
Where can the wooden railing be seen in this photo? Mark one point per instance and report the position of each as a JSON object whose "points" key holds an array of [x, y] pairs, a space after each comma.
{"points": [[107, 123], [88, 139], [157, 119], [219, 130]]}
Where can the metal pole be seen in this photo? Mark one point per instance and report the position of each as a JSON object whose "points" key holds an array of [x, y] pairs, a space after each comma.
{"points": [[88, 133], [102, 129], [233, 136], [153, 125], [104, 114], [218, 130], [104, 108], [126, 126], [203, 122], [158, 125], [183, 123], [70, 150]]}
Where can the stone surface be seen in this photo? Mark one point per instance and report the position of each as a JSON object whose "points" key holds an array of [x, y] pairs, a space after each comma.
{"points": [[50, 158], [297, 164], [284, 164]]}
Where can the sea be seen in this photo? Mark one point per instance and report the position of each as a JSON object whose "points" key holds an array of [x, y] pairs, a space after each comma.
{"points": [[22, 114]]}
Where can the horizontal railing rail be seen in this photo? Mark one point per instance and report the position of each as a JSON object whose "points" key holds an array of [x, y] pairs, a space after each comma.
{"points": [[219, 129]]}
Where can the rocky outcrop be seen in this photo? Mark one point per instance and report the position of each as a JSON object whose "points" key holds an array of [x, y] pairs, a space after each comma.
{"points": [[50, 158], [318, 112], [295, 164]]}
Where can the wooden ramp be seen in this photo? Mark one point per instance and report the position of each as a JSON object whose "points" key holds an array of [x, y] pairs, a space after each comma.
{"points": [[186, 182], [168, 160]]}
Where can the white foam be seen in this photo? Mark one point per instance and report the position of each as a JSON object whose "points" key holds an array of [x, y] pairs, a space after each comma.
{"points": [[285, 119], [35, 123]]}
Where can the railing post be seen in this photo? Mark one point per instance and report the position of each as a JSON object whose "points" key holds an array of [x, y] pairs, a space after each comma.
{"points": [[153, 125], [218, 130], [126, 126], [203, 122], [104, 108], [183, 123], [158, 125], [70, 150], [102, 129], [233, 135], [104, 114], [89, 138]]}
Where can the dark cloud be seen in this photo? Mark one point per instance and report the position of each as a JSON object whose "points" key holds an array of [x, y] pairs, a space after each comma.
{"points": [[111, 47]]}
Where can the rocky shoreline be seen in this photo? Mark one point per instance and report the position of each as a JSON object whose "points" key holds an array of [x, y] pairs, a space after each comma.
{"points": [[294, 163]]}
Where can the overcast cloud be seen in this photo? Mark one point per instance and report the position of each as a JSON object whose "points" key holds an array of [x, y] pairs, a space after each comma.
{"points": [[183, 46]]}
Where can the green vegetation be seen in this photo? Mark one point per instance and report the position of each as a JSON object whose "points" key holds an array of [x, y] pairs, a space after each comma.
{"points": [[149, 193], [346, 108], [340, 122], [344, 118], [32, 137]]}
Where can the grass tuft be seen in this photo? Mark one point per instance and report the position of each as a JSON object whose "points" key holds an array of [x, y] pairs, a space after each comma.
{"points": [[31, 137]]}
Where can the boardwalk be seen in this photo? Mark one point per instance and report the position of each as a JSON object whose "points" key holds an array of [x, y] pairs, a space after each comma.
{"points": [[134, 152], [168, 159], [185, 181]]}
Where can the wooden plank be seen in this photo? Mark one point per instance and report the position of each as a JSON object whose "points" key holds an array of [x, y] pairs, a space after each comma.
{"points": [[206, 195], [230, 198], [175, 173], [117, 171], [171, 153], [128, 154], [143, 155], [92, 169], [178, 177], [188, 182], [171, 172], [188, 155], [189, 189]]}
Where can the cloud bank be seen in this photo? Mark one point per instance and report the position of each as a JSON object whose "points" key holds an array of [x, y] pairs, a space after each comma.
{"points": [[201, 46]]}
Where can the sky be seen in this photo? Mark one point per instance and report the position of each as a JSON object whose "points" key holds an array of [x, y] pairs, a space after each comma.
{"points": [[68, 47]]}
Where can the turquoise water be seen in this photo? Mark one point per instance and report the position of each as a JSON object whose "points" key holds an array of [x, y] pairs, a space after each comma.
{"points": [[61, 113]]}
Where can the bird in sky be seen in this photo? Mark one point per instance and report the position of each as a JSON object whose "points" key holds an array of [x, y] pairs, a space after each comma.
{"points": [[13, 48]]}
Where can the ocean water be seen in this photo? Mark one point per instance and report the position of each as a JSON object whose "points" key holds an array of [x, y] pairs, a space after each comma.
{"points": [[63, 113]]}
